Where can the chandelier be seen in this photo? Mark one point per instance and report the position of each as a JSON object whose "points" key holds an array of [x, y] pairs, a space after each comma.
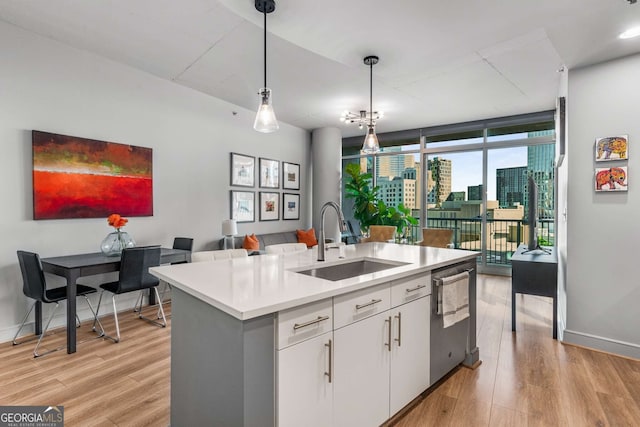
{"points": [[367, 118], [265, 118]]}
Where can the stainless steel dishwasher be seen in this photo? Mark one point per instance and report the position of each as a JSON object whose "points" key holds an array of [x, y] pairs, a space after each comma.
{"points": [[456, 344]]}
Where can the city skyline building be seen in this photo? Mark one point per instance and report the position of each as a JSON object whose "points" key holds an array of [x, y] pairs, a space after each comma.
{"points": [[510, 186], [441, 173]]}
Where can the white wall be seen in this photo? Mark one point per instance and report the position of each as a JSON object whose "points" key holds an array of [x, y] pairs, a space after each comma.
{"points": [[50, 87], [603, 289]]}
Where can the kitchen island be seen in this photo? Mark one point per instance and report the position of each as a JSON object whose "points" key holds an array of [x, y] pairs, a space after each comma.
{"points": [[265, 340]]}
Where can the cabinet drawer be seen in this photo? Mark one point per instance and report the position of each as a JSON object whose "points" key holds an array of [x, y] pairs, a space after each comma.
{"points": [[361, 304], [410, 288], [301, 323]]}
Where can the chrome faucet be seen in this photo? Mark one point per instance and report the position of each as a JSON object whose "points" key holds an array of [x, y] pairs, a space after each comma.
{"points": [[341, 224]]}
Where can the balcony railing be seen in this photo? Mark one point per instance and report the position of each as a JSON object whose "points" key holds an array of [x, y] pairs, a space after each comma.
{"points": [[502, 239]]}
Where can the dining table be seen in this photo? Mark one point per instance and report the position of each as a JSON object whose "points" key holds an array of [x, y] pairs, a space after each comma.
{"points": [[72, 267]]}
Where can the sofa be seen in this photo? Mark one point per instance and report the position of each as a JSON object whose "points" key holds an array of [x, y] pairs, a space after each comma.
{"points": [[265, 239]]}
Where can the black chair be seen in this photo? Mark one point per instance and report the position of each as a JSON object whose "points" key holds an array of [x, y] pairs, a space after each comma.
{"points": [[134, 276], [35, 287], [351, 236], [184, 243]]}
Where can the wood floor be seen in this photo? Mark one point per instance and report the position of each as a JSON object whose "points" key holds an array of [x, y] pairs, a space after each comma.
{"points": [[526, 378]]}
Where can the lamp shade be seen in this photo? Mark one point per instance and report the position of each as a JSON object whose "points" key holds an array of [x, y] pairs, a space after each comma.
{"points": [[266, 121], [371, 144], [229, 227]]}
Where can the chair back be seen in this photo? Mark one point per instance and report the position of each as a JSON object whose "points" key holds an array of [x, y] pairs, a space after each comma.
{"points": [[436, 237], [381, 233], [285, 248], [33, 282], [184, 243], [203, 256], [134, 268]]}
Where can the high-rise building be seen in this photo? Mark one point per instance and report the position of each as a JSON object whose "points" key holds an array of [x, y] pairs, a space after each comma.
{"points": [[414, 174], [474, 192], [441, 173], [510, 186], [540, 165], [394, 165], [397, 190]]}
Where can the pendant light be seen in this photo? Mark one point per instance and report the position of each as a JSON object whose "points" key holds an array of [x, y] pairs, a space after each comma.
{"points": [[265, 118], [371, 144]]}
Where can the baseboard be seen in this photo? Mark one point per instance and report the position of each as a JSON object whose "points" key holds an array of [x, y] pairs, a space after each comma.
{"points": [[606, 345], [124, 302]]}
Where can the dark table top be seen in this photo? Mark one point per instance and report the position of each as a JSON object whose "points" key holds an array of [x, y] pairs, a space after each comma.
{"points": [[98, 258]]}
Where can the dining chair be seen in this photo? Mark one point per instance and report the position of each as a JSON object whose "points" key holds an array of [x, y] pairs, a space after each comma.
{"points": [[437, 237], [184, 243], [34, 286], [380, 233], [134, 276]]}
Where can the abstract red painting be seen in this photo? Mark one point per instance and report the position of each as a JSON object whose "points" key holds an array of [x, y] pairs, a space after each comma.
{"points": [[84, 178]]}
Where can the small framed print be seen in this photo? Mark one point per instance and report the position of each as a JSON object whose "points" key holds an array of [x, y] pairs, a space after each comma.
{"points": [[290, 206], [611, 179], [269, 173], [269, 206], [243, 206], [290, 176], [612, 148], [243, 170]]}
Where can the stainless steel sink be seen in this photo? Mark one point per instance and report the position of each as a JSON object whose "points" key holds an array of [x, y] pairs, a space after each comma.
{"points": [[350, 269]]}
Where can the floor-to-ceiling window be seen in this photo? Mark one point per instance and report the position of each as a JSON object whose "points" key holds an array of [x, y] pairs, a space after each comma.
{"points": [[471, 178]]}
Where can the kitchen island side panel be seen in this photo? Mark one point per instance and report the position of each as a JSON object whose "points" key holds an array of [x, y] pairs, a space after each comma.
{"points": [[222, 368]]}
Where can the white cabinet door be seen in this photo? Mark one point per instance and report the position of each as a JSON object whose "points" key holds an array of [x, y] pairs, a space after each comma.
{"points": [[361, 386], [305, 394], [410, 352]]}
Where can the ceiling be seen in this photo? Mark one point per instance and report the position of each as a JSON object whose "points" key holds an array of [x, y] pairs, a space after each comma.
{"points": [[440, 61]]}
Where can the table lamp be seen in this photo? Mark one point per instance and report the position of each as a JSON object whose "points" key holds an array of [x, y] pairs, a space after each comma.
{"points": [[229, 229]]}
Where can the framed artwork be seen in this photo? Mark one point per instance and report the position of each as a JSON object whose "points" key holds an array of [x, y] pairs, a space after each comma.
{"points": [[611, 179], [242, 170], [612, 148], [269, 173], [290, 176], [243, 206], [269, 206], [84, 178], [290, 206]]}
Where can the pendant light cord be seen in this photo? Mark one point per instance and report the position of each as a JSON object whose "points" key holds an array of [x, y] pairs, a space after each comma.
{"points": [[265, 48], [371, 93]]}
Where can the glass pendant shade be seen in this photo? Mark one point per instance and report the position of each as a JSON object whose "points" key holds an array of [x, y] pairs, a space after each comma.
{"points": [[371, 144], [266, 121]]}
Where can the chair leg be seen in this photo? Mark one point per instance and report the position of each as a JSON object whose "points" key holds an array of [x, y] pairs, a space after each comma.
{"points": [[95, 317], [139, 300], [35, 350], [115, 316], [154, 321], [22, 325]]}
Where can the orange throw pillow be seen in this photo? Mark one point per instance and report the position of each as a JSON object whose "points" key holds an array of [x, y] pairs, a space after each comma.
{"points": [[307, 237], [251, 243]]}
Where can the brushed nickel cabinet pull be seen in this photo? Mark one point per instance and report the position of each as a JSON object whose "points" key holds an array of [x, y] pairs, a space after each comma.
{"points": [[388, 344], [310, 322], [399, 339], [370, 303], [330, 373], [415, 289]]}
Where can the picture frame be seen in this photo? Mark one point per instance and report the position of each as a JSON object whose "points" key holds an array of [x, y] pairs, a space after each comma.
{"points": [[242, 170], [612, 148], [290, 206], [243, 206], [611, 179], [269, 173], [290, 176], [269, 206]]}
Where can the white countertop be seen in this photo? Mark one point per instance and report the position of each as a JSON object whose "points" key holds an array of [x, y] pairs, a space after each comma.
{"points": [[257, 285]]}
